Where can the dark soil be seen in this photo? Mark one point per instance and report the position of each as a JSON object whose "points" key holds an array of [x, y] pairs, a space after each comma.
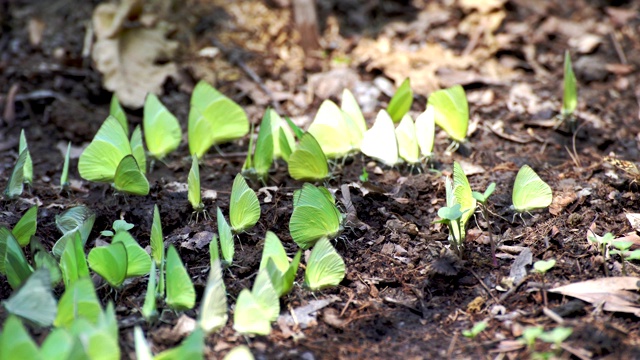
{"points": [[404, 295]]}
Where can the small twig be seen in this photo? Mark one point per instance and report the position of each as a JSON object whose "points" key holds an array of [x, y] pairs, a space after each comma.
{"points": [[236, 60], [484, 286], [452, 346]]}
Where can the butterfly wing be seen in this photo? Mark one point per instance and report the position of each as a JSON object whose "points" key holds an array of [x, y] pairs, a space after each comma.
{"points": [[308, 161], [249, 316], [408, 148], [530, 192], [213, 306], [325, 267], [244, 207], [162, 131], [331, 131], [425, 131], [15, 185], [129, 179], [193, 185], [137, 149], [110, 262], [451, 111], [181, 294], [34, 300], [227, 245], [314, 216], [380, 142], [101, 158]]}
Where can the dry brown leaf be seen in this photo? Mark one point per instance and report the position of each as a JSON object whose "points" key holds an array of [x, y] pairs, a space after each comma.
{"points": [[127, 58], [483, 6], [613, 293]]}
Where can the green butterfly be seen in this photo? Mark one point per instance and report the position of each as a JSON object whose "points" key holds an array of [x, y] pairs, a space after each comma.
{"points": [[191, 348], [73, 263], [325, 267], [138, 260], [26, 227], [34, 300], [570, 98], [149, 310], [15, 185], [64, 178], [15, 341], [401, 101], [78, 301], [213, 306], [116, 110], [157, 247], [193, 190], [213, 119], [13, 263], [351, 108], [256, 309], [244, 207], [162, 132], [451, 111], [129, 178], [463, 196], [274, 260], [110, 262], [258, 165], [308, 162], [100, 160], [406, 136], [425, 128], [283, 139], [78, 219], [28, 164], [530, 192], [226, 238], [241, 352], [379, 142], [181, 294], [333, 131], [314, 216]]}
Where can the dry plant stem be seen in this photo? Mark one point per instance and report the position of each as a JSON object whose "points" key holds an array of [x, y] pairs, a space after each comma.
{"points": [[544, 292], [485, 213]]}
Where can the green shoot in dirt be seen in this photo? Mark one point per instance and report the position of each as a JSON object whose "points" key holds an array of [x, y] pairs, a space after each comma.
{"points": [[451, 217], [530, 335], [401, 101], [482, 198], [621, 248], [64, 178], [602, 242], [556, 336], [364, 177], [475, 330], [542, 266]]}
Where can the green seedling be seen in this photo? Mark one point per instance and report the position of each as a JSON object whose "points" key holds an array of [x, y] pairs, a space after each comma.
{"points": [[194, 193], [15, 185], [401, 101], [213, 119], [227, 245], [380, 141], [570, 98], [274, 259], [325, 267], [34, 300], [451, 112], [213, 306], [27, 170], [77, 219], [621, 248], [308, 162], [78, 301], [475, 330], [483, 198], [541, 267], [602, 243], [364, 177], [556, 336], [336, 131], [162, 132], [157, 248], [181, 294], [634, 255], [256, 166], [118, 113], [530, 335], [530, 192], [13, 263], [314, 216], [64, 178], [73, 263], [15, 341], [149, 309], [256, 309], [26, 227], [244, 207], [451, 217]]}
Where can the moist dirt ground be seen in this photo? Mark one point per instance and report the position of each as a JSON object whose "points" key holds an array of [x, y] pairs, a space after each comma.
{"points": [[404, 295]]}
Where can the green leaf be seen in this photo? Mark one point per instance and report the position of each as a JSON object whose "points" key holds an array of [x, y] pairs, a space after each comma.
{"points": [[475, 330], [401, 101], [556, 336], [542, 266], [452, 213], [26, 226]]}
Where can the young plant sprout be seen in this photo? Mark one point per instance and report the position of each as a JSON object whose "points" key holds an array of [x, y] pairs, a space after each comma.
{"points": [[475, 330], [530, 334], [602, 242], [364, 177], [482, 198], [64, 178], [401, 101], [621, 248], [542, 266], [556, 336], [451, 217]]}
